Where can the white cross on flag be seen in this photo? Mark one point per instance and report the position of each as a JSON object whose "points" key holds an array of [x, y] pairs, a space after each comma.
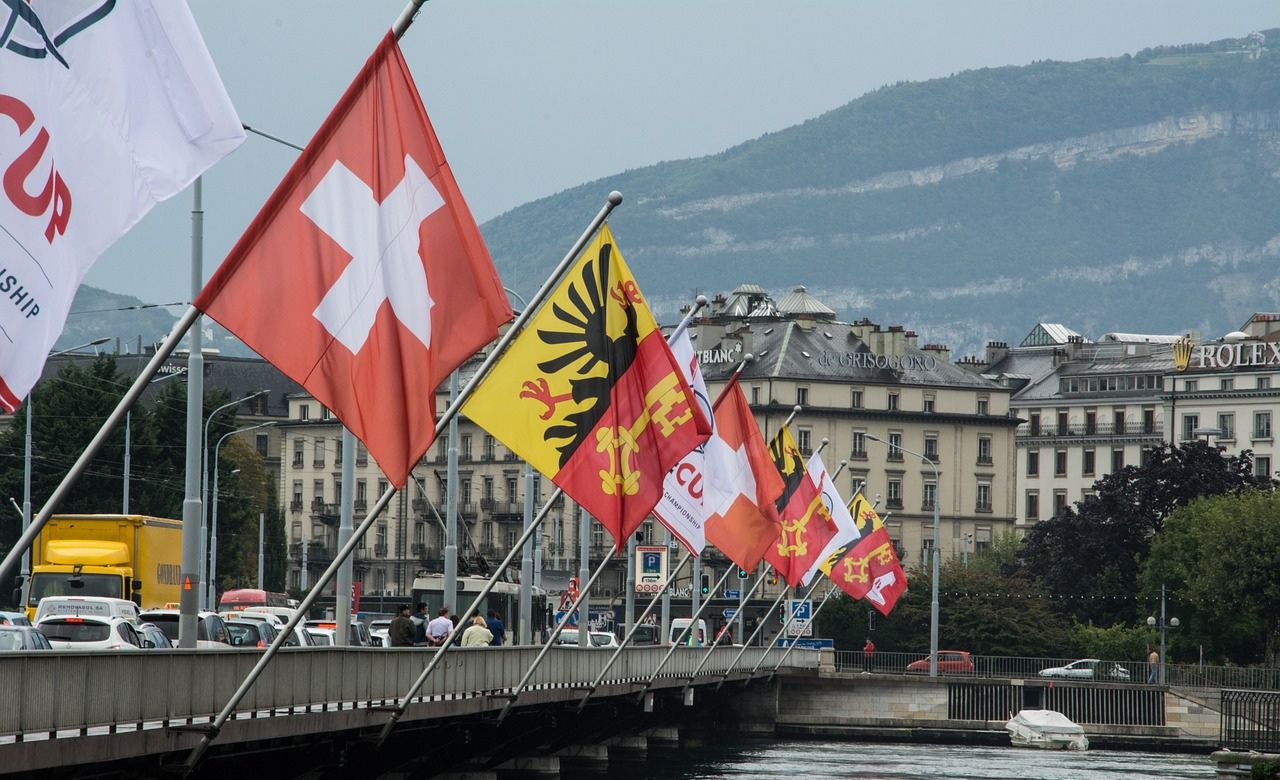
{"points": [[106, 109], [361, 263]]}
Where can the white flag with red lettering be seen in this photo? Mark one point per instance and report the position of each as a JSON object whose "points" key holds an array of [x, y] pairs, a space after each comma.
{"points": [[106, 108], [681, 507]]}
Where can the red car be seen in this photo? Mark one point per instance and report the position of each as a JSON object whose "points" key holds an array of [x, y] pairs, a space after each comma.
{"points": [[949, 661]]}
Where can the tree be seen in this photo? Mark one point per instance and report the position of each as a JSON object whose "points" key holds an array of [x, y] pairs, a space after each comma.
{"points": [[979, 610], [1089, 555], [1219, 558]]}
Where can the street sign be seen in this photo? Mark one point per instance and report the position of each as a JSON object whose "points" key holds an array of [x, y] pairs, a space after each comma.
{"points": [[807, 644], [651, 568], [732, 594], [802, 625], [730, 613]]}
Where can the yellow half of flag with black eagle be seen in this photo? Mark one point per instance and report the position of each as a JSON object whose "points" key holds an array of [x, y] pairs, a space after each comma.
{"points": [[590, 394]]}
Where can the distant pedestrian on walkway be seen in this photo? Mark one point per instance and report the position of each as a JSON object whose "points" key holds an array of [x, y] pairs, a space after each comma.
{"points": [[477, 634], [439, 627], [1153, 664], [868, 656], [400, 632], [496, 627], [420, 620]]}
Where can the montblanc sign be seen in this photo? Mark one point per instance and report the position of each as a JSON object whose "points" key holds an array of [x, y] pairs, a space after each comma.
{"points": [[871, 360]]}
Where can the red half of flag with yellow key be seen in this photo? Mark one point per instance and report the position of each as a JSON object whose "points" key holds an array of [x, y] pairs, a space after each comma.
{"points": [[590, 394]]}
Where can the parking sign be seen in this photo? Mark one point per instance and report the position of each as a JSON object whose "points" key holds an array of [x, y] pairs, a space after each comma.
{"points": [[802, 625], [651, 568]]}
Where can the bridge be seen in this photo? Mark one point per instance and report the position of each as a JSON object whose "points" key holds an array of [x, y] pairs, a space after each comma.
{"points": [[140, 714], [318, 711]]}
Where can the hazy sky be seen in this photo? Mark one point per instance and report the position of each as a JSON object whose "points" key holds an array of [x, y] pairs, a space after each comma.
{"points": [[530, 97]]}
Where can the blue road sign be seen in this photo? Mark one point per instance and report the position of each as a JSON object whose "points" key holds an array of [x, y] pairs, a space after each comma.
{"points": [[730, 612], [733, 594], [807, 644]]}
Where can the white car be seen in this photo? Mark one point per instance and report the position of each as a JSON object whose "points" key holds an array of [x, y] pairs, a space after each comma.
{"points": [[98, 606], [380, 632], [1088, 669], [569, 637], [211, 632], [90, 632]]}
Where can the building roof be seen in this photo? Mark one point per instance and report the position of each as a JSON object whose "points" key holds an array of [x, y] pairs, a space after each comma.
{"points": [[1048, 333], [799, 303], [830, 351], [1140, 338]]}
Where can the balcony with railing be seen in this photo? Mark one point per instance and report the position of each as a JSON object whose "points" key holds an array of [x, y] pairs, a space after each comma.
{"points": [[1136, 428]]}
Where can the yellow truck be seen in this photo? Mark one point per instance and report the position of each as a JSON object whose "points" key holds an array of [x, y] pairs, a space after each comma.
{"points": [[122, 556]]}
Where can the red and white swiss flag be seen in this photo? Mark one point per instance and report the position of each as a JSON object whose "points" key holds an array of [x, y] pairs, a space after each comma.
{"points": [[364, 277]]}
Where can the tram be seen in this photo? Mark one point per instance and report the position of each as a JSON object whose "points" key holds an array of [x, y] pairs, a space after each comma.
{"points": [[504, 599]]}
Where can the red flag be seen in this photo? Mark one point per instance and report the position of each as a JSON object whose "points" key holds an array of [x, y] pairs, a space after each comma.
{"points": [[364, 277], [871, 569], [807, 524], [741, 484]]}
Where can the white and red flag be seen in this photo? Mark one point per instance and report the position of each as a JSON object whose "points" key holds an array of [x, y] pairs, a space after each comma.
{"points": [[682, 508], [106, 109], [846, 529], [364, 277], [742, 484]]}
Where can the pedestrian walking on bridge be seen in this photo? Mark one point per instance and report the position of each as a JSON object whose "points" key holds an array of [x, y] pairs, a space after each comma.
{"points": [[868, 656], [400, 632]]}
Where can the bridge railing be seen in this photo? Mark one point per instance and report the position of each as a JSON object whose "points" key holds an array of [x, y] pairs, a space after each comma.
{"points": [[65, 691], [1016, 667]]}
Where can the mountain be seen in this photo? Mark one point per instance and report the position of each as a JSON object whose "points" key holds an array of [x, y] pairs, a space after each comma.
{"points": [[133, 325], [1137, 193]]}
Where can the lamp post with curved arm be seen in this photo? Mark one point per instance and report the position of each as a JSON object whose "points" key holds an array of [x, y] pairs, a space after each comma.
{"points": [[937, 550], [27, 460], [204, 487], [213, 524]]}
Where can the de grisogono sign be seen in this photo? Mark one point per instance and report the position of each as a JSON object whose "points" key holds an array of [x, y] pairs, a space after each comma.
{"points": [[1208, 357], [873, 361]]}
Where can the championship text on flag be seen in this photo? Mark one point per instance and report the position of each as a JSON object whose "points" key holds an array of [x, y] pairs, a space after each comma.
{"points": [[871, 569], [106, 109], [806, 524], [682, 508], [590, 394], [846, 529], [364, 277], [741, 484]]}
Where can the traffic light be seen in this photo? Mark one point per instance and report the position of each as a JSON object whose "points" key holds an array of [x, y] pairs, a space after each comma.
{"points": [[743, 573], [773, 576], [706, 584]]}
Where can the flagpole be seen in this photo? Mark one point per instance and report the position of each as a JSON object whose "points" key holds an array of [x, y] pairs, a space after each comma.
{"points": [[693, 623], [794, 411], [406, 18], [555, 634], [792, 646], [166, 348], [721, 635], [397, 712], [759, 627], [782, 632], [632, 632]]}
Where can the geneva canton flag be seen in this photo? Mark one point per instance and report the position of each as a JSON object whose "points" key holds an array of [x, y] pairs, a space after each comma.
{"points": [[106, 109], [364, 277]]}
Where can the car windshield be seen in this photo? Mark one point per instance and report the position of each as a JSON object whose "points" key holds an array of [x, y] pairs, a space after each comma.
{"points": [[601, 640], [43, 585], [75, 630]]}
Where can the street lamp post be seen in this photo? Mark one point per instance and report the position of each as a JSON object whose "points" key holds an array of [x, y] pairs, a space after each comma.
{"points": [[1172, 623], [204, 486], [27, 460], [213, 524], [937, 550]]}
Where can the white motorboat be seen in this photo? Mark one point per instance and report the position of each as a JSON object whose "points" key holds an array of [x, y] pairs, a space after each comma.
{"points": [[1047, 730]]}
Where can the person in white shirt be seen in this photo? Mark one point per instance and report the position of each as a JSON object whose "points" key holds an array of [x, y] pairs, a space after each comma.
{"points": [[438, 629]]}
